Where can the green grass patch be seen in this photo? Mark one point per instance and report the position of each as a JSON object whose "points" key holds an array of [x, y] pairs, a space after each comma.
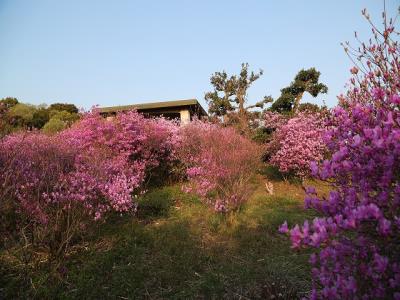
{"points": [[177, 248]]}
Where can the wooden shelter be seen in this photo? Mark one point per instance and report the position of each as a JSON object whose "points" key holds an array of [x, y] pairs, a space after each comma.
{"points": [[184, 110]]}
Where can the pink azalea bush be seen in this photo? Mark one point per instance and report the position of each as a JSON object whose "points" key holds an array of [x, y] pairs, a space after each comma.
{"points": [[358, 236], [60, 183], [296, 142], [30, 164], [274, 120], [220, 163], [160, 151]]}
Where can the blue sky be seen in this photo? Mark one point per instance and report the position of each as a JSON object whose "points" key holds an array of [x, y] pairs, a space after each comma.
{"points": [[124, 52]]}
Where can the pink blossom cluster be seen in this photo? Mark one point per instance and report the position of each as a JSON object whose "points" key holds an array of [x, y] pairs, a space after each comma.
{"points": [[297, 142], [358, 236], [31, 164], [220, 163], [96, 164], [273, 120]]}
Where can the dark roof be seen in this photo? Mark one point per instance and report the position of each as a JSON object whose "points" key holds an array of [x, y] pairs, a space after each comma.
{"points": [[155, 105]]}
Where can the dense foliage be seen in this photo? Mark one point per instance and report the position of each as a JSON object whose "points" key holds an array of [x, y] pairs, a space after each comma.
{"points": [[59, 184], [16, 116], [229, 97], [304, 81], [230, 92], [358, 235], [296, 142], [220, 163]]}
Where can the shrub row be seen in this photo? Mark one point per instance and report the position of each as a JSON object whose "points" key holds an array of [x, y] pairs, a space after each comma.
{"points": [[52, 187]]}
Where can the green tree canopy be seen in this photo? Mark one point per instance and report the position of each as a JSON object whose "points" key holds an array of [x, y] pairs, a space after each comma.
{"points": [[305, 81], [8, 102], [71, 108], [40, 117], [15, 115], [230, 92], [64, 115], [5, 105], [21, 114], [54, 125], [311, 107]]}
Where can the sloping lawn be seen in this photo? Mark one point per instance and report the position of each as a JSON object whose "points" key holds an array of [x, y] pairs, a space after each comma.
{"points": [[177, 248]]}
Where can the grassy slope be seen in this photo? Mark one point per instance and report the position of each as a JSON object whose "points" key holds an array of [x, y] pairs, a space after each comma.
{"points": [[177, 248]]}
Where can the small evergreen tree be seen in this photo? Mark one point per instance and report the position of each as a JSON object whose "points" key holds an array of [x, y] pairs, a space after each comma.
{"points": [[305, 81], [230, 94]]}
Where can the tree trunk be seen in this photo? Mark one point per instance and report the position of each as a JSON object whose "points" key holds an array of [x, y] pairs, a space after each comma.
{"points": [[297, 102], [242, 112]]}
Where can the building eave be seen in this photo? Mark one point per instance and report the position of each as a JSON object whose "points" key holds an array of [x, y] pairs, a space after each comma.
{"points": [[154, 105]]}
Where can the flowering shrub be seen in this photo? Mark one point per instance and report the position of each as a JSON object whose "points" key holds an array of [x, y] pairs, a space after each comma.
{"points": [[274, 120], [219, 163], [296, 142], [61, 182], [31, 165], [358, 236], [107, 182], [160, 151]]}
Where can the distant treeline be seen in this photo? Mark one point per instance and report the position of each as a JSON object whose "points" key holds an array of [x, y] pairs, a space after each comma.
{"points": [[15, 116]]}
